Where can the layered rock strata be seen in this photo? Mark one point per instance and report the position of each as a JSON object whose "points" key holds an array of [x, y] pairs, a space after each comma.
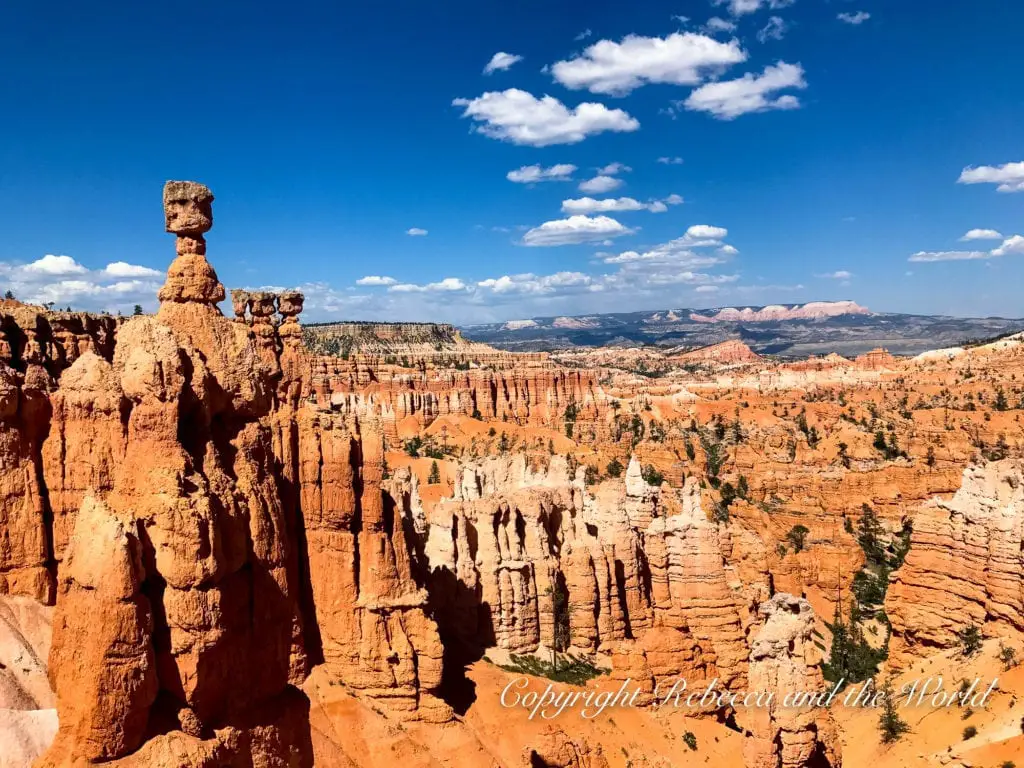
{"points": [[964, 567]]}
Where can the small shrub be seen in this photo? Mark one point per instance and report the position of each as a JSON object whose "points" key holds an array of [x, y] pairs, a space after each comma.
{"points": [[690, 740], [565, 668], [1008, 656], [970, 732], [891, 725], [797, 537], [651, 475], [970, 640]]}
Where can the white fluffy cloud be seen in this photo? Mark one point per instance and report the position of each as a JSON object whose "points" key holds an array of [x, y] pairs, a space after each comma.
{"points": [[416, 232], [574, 230], [604, 180], [521, 118], [854, 18], [1010, 245], [124, 269], [925, 256], [536, 284], [689, 278], [501, 61], [1009, 177], [663, 275], [840, 274], [63, 281], [376, 280], [619, 204], [775, 29], [682, 58], [608, 205], [741, 7], [54, 266], [706, 232], [448, 285], [981, 234], [600, 184], [729, 99], [531, 174], [679, 252], [718, 24], [670, 160]]}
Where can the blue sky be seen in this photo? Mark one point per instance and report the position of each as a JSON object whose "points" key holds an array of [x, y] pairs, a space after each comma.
{"points": [[816, 146]]}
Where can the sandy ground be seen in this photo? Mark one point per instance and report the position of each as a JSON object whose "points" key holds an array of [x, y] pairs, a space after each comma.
{"points": [[489, 734], [936, 735]]}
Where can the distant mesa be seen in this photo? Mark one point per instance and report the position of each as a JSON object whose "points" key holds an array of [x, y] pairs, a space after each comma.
{"points": [[516, 325], [576, 322], [815, 310], [730, 352]]}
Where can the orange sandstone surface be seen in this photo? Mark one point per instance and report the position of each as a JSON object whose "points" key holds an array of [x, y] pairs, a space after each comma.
{"points": [[221, 546]]}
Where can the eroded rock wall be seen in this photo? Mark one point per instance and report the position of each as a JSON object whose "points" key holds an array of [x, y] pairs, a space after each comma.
{"points": [[964, 566]]}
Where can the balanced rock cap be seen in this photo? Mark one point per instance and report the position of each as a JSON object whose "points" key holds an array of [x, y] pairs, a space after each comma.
{"points": [[188, 208]]}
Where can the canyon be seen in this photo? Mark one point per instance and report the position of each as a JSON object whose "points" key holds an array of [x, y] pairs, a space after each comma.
{"points": [[245, 541]]}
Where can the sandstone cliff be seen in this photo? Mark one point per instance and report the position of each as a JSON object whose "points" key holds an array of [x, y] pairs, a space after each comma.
{"points": [[964, 566]]}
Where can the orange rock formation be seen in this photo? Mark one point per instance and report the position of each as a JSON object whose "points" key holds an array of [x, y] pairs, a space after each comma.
{"points": [[256, 554]]}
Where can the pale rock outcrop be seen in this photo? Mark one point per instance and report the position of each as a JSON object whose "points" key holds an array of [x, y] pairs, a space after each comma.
{"points": [[634, 570], [521, 549], [784, 660], [25, 632], [964, 566], [28, 720]]}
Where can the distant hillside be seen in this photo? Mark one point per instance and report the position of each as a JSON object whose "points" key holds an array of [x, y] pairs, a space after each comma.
{"points": [[818, 328], [340, 339]]}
